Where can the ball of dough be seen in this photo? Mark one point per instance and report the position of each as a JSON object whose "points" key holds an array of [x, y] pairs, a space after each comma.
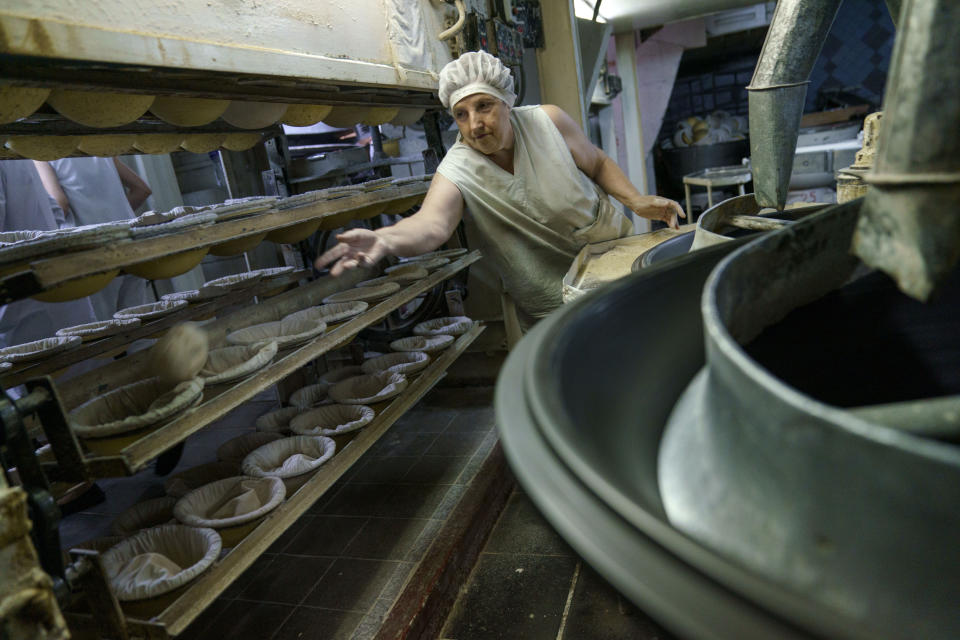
{"points": [[180, 354]]}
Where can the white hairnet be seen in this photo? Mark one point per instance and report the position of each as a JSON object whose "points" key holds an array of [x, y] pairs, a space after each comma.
{"points": [[475, 72]]}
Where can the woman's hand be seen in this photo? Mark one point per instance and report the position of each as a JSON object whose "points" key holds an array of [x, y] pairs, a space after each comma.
{"points": [[657, 208], [354, 248]]}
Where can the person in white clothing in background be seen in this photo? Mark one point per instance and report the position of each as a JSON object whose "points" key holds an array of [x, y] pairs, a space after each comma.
{"points": [[24, 206], [97, 190], [533, 183]]}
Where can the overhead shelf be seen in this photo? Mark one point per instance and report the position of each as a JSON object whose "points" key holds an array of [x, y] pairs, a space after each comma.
{"points": [[218, 402], [277, 52], [44, 274]]}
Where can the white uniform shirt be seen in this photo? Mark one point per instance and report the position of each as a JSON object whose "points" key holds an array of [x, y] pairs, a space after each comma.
{"points": [[95, 193], [25, 205]]}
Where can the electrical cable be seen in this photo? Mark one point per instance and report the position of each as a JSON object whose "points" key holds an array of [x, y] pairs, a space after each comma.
{"points": [[458, 25], [596, 10]]}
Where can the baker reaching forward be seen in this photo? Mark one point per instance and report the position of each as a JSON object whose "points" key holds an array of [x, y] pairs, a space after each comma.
{"points": [[534, 184]]}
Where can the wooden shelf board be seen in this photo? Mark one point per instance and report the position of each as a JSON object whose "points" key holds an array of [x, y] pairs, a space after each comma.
{"points": [[208, 587], [136, 455]]}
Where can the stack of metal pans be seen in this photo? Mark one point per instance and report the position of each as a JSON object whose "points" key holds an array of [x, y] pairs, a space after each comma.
{"points": [[762, 514]]}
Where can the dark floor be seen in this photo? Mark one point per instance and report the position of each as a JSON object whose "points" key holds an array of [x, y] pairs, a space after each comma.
{"points": [[529, 584]]}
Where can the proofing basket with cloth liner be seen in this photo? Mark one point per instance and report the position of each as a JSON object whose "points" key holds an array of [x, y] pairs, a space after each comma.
{"points": [[151, 310], [136, 406], [233, 506], [332, 420], [294, 460], [38, 349], [236, 449], [234, 363], [310, 396], [196, 295], [180, 484], [341, 311], [364, 294], [102, 329], [144, 515], [369, 389], [287, 333], [273, 272], [449, 326], [341, 373], [278, 420], [405, 362], [427, 344], [150, 570], [234, 281]]}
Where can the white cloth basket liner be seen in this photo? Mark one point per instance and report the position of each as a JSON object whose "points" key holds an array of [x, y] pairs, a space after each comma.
{"points": [[310, 395], [368, 389], [289, 457], [399, 362], [428, 344], [230, 363], [230, 502], [338, 311], [235, 281], [332, 420], [133, 406], [38, 348], [451, 326], [151, 310], [284, 332], [102, 328], [159, 560]]}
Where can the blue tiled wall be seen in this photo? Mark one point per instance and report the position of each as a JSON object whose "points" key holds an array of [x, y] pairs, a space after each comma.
{"points": [[856, 56]]}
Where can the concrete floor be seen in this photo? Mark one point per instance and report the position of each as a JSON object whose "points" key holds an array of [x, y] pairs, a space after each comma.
{"points": [[529, 584]]}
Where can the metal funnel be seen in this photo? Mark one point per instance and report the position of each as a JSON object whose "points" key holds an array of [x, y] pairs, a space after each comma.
{"points": [[910, 226], [779, 89]]}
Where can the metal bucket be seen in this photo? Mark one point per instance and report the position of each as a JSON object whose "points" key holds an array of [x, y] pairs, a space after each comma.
{"points": [[859, 517]]}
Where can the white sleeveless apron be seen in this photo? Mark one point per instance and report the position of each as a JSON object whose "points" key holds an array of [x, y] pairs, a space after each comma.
{"points": [[534, 221]]}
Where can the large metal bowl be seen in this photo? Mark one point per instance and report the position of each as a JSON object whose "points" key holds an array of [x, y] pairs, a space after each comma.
{"points": [[582, 404], [581, 418]]}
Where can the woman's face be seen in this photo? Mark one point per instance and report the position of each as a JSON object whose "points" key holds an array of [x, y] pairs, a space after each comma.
{"points": [[484, 123]]}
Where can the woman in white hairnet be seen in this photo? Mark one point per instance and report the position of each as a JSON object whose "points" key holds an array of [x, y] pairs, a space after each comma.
{"points": [[535, 186]]}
